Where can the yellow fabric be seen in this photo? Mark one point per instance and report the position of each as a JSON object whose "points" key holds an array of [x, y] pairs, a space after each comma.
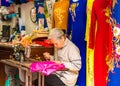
{"points": [[90, 52], [60, 14], [89, 10], [90, 67]]}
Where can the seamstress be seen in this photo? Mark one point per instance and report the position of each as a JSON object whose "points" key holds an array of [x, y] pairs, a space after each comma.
{"points": [[66, 53]]}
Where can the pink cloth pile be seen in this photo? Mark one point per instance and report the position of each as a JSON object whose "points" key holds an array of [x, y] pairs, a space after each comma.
{"points": [[46, 67]]}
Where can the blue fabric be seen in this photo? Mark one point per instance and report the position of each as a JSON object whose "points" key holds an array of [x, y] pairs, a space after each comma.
{"points": [[4, 3], [17, 1], [116, 12], [115, 77], [23, 1], [39, 15], [11, 15], [77, 28], [11, 1], [7, 82]]}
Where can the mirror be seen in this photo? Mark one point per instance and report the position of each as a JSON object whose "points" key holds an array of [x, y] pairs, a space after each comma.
{"points": [[33, 14]]}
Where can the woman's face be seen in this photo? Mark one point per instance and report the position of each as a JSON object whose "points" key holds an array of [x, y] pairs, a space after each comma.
{"points": [[58, 43]]}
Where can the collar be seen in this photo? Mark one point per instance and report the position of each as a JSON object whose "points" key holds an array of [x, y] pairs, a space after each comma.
{"points": [[66, 42]]}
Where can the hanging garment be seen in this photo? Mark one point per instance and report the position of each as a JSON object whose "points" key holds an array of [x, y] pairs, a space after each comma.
{"points": [[114, 74], [49, 7], [5, 3], [17, 1], [116, 12], [23, 1], [90, 52], [76, 29], [41, 19], [10, 1], [101, 40], [60, 14]]}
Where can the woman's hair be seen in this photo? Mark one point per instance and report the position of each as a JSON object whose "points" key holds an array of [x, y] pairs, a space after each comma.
{"points": [[56, 33]]}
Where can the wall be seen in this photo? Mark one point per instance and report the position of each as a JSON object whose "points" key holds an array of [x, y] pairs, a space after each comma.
{"points": [[25, 16]]}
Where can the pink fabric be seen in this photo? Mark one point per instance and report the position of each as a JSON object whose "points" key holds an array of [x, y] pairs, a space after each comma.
{"points": [[46, 67]]}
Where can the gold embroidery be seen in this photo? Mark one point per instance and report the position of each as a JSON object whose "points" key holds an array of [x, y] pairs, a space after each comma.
{"points": [[73, 6], [60, 14], [107, 14]]}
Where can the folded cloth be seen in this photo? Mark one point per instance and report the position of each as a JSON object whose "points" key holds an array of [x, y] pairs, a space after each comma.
{"points": [[46, 67]]}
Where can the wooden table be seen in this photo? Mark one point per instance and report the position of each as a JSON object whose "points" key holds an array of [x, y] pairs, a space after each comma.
{"points": [[5, 52], [25, 66]]}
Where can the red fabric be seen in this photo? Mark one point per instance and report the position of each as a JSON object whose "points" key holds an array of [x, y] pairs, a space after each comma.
{"points": [[100, 40], [44, 43]]}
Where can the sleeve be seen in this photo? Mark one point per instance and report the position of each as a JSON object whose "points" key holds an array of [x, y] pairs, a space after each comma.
{"points": [[74, 63], [92, 28], [52, 58]]}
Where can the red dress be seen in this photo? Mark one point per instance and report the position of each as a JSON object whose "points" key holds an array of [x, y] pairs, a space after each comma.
{"points": [[100, 40]]}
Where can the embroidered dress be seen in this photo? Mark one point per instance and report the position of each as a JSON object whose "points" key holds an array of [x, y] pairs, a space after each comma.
{"points": [[100, 40], [23, 1], [76, 29], [114, 73], [10, 1], [5, 3], [41, 19], [60, 14], [116, 11]]}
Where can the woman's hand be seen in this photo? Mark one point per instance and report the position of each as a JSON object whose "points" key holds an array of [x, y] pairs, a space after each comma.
{"points": [[57, 62], [46, 55]]}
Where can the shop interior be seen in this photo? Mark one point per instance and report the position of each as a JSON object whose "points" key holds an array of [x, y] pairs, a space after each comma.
{"points": [[92, 25]]}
